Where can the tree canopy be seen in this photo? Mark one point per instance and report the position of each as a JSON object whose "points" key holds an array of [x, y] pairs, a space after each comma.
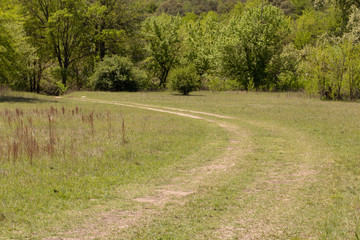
{"points": [[50, 45]]}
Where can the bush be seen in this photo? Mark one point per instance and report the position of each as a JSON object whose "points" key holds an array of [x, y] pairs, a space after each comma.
{"points": [[184, 79], [51, 83], [117, 74]]}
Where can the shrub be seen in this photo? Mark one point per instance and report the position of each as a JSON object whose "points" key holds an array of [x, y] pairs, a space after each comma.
{"points": [[184, 79], [51, 83], [117, 74]]}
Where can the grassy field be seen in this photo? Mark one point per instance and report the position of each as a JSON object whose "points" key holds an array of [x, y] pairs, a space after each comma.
{"points": [[233, 166]]}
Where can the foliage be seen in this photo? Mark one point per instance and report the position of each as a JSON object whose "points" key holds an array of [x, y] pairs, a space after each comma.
{"points": [[231, 44], [200, 41], [333, 70], [310, 25], [345, 8], [73, 34], [61, 88], [15, 52], [114, 25], [215, 83], [181, 7], [353, 26], [51, 86], [7, 56], [289, 78], [117, 74], [301, 5], [285, 5], [58, 29], [184, 79], [163, 45], [251, 45]]}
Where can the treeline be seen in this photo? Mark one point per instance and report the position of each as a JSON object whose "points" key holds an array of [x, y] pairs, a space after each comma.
{"points": [[51, 46]]}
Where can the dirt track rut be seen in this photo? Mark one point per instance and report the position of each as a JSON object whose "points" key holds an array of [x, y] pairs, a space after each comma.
{"points": [[276, 179], [111, 223]]}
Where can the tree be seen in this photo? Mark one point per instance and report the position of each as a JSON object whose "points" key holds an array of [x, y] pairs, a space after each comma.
{"points": [[200, 41], [352, 63], [301, 5], [332, 69], [7, 56], [352, 41], [251, 44], [344, 6], [309, 26], [16, 53], [163, 44], [353, 26], [113, 24], [58, 28], [172, 7]]}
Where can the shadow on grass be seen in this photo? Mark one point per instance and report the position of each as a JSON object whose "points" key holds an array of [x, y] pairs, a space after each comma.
{"points": [[188, 95], [17, 99]]}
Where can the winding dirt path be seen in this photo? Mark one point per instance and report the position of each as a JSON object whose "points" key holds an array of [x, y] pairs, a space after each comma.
{"points": [[110, 223], [276, 184]]}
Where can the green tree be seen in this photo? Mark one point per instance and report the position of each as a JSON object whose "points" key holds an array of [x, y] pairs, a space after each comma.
{"points": [[353, 26], [114, 24], [352, 41], [352, 62], [251, 44], [332, 69], [308, 27], [200, 41], [289, 62], [16, 53], [58, 28], [7, 56], [344, 6], [301, 5], [163, 44]]}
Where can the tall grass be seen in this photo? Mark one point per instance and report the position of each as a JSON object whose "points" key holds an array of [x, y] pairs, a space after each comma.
{"points": [[38, 132]]}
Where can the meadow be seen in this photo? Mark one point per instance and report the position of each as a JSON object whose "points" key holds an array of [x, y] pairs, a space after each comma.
{"points": [[235, 165]]}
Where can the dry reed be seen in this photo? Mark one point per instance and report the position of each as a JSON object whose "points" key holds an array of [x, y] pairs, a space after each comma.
{"points": [[36, 133]]}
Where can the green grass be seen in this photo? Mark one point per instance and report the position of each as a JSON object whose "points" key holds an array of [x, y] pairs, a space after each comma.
{"points": [[89, 166], [299, 177]]}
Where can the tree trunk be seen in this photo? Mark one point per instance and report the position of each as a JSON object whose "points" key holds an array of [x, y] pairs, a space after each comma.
{"points": [[38, 77], [163, 78], [32, 81], [102, 50]]}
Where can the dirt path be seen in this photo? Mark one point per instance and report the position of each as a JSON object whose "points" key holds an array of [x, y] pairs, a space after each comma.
{"points": [[273, 206], [110, 223], [266, 202]]}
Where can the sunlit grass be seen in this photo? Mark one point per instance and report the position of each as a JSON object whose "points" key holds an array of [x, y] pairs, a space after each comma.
{"points": [[84, 152], [300, 180], [288, 128]]}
